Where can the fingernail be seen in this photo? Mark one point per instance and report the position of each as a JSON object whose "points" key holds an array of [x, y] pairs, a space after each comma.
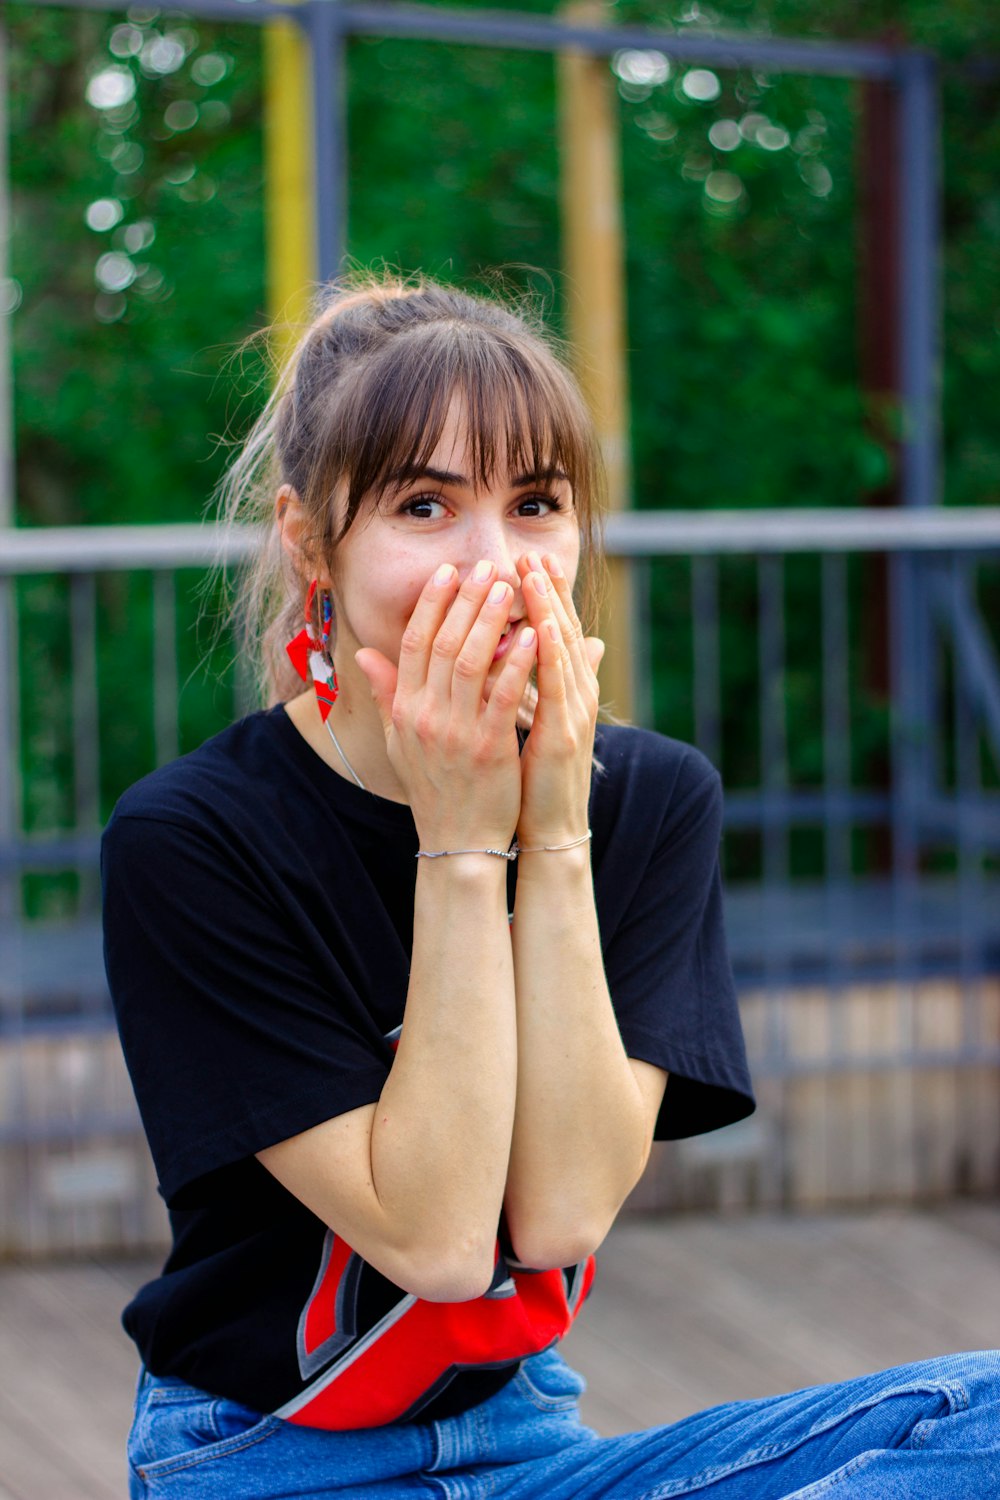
{"points": [[541, 582], [526, 640], [553, 630], [536, 562], [444, 574], [481, 572], [555, 568], [498, 593]]}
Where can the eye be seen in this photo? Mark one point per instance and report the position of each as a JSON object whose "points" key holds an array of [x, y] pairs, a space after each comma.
{"points": [[423, 508], [539, 505]]}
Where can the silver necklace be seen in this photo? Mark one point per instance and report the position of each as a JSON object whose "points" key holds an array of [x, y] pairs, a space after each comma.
{"points": [[347, 763]]}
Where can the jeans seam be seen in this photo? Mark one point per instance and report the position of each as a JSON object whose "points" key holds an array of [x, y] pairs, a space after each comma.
{"points": [[958, 1400], [956, 1395], [169, 1466]]}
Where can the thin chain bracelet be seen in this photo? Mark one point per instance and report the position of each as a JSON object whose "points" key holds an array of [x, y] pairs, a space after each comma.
{"points": [[446, 853], [554, 848], [511, 853]]}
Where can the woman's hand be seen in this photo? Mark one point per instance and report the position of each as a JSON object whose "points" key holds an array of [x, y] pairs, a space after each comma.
{"points": [[455, 754], [557, 758]]}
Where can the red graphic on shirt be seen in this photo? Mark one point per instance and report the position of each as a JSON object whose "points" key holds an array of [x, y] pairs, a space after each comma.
{"points": [[366, 1376], [394, 1368]]}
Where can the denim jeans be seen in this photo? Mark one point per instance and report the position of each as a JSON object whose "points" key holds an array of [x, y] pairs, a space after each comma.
{"points": [[928, 1431]]}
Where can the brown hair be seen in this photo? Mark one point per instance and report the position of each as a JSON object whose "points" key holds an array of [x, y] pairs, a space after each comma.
{"points": [[366, 394]]}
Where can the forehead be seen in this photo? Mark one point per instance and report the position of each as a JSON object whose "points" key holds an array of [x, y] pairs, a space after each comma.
{"points": [[460, 449]]}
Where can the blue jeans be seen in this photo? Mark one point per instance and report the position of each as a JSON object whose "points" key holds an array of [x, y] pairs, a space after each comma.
{"points": [[927, 1431]]}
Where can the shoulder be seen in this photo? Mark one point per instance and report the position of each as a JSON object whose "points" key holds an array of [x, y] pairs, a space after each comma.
{"points": [[650, 769], [218, 786]]}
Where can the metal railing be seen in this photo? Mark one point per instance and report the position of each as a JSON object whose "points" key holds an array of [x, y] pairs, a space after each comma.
{"points": [[924, 905], [858, 973]]}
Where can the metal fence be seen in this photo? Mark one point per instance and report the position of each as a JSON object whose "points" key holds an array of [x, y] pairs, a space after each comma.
{"points": [[837, 885]]}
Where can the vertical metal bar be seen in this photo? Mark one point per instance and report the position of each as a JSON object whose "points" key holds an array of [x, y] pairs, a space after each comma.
{"points": [[905, 789], [638, 593], [836, 768], [165, 692], [10, 779], [773, 737], [321, 19], [10, 740], [774, 816], [705, 626], [969, 919], [86, 721], [919, 272]]}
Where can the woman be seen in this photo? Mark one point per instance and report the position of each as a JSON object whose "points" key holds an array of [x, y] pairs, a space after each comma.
{"points": [[396, 1085]]}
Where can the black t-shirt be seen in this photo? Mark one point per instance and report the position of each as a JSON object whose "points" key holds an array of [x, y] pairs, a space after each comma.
{"points": [[258, 926]]}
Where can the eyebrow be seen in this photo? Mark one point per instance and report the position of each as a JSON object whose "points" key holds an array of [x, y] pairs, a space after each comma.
{"points": [[410, 472]]}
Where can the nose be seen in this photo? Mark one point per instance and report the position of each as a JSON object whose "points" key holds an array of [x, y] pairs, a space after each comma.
{"points": [[491, 540]]}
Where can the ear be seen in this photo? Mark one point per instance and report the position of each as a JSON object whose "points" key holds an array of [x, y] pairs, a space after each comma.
{"points": [[293, 528], [290, 519]]}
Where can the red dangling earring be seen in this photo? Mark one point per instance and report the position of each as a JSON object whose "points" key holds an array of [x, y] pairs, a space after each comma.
{"points": [[310, 654]]}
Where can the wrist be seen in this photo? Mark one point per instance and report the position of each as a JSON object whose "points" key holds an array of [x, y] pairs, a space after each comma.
{"points": [[553, 837]]}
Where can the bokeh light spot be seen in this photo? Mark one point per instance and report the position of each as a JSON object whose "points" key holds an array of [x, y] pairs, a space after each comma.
{"points": [[724, 187], [648, 69], [10, 294], [162, 55], [773, 137], [139, 236], [111, 88], [109, 307], [702, 85], [181, 114], [126, 41], [181, 170], [114, 272], [127, 157], [816, 176], [210, 68], [104, 214], [725, 135]]}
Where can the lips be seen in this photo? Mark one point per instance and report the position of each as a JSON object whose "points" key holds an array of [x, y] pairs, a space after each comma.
{"points": [[506, 637]]}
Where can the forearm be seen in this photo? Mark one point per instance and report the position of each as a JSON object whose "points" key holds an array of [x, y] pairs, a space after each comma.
{"points": [[441, 1134], [581, 1136]]}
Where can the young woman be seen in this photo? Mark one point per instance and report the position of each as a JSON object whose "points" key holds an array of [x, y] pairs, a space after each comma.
{"points": [[396, 1084]]}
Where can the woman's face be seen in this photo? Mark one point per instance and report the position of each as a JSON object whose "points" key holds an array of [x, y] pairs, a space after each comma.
{"points": [[438, 516]]}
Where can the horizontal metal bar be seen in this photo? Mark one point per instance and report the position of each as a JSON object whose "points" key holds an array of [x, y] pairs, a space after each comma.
{"points": [[848, 529], [91, 549], [550, 34], [644, 533], [770, 809], [76, 1128], [60, 851], [254, 11], [762, 1066], [513, 29]]}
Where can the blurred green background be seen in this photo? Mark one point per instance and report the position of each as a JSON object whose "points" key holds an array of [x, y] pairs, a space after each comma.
{"points": [[137, 268]]}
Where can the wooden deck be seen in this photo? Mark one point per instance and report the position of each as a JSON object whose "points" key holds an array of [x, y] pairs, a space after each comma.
{"points": [[685, 1313]]}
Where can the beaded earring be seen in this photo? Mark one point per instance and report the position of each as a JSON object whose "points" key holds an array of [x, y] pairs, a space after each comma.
{"points": [[310, 654]]}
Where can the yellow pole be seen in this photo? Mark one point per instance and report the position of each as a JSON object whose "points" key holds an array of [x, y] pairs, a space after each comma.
{"points": [[290, 218], [594, 262]]}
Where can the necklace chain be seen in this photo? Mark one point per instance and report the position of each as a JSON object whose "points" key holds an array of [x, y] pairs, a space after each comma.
{"points": [[347, 763]]}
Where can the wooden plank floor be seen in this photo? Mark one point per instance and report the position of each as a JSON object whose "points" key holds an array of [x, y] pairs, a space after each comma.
{"points": [[685, 1313]]}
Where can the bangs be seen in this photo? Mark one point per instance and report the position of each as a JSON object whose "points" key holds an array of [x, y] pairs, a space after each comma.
{"points": [[523, 413]]}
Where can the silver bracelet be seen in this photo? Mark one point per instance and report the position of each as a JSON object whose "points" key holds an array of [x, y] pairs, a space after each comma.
{"points": [[554, 848], [446, 853]]}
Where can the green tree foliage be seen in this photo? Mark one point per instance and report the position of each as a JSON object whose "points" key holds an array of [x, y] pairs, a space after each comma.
{"points": [[137, 266]]}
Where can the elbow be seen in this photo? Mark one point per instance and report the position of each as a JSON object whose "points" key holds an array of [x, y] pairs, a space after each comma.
{"points": [[541, 1247], [441, 1274]]}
